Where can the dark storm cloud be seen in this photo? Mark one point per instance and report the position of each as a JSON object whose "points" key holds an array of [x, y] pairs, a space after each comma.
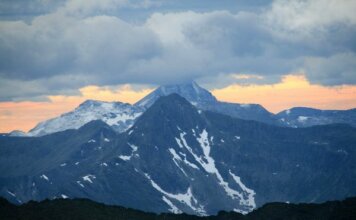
{"points": [[82, 43]]}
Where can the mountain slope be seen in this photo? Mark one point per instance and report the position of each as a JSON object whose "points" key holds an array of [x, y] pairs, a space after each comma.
{"points": [[180, 159]]}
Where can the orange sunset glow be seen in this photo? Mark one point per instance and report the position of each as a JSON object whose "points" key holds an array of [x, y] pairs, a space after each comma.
{"points": [[25, 115], [292, 91]]}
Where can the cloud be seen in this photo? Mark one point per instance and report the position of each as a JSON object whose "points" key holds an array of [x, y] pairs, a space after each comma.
{"points": [[57, 45], [305, 16], [334, 70], [83, 43]]}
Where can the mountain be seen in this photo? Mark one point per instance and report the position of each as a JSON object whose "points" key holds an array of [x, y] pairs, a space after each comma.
{"points": [[121, 116], [177, 158], [204, 100], [116, 114], [85, 209], [306, 117]]}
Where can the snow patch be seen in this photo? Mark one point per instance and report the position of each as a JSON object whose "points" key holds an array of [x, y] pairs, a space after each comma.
{"points": [[210, 167], [91, 141], [186, 198], [80, 184], [173, 208], [133, 153], [193, 132], [177, 157], [106, 140], [208, 163], [122, 117], [44, 177], [64, 196], [302, 119], [249, 193], [12, 194], [133, 147], [89, 178], [179, 143], [123, 157], [63, 164]]}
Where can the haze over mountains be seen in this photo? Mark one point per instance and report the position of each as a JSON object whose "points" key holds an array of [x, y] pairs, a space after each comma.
{"points": [[177, 157], [121, 116]]}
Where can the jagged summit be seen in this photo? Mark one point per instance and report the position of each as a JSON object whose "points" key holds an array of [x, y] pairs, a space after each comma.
{"points": [[191, 91]]}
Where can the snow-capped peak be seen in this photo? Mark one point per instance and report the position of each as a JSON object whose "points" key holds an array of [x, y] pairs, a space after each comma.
{"points": [[190, 91], [120, 116]]}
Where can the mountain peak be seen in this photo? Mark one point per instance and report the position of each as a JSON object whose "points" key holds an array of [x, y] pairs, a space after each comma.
{"points": [[119, 115], [191, 91], [172, 105], [171, 114]]}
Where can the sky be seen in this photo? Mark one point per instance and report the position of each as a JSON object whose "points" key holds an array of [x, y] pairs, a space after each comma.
{"points": [[281, 54]]}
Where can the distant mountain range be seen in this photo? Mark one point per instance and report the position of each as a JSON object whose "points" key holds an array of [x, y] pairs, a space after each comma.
{"points": [[177, 157], [306, 117], [78, 209], [121, 116]]}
